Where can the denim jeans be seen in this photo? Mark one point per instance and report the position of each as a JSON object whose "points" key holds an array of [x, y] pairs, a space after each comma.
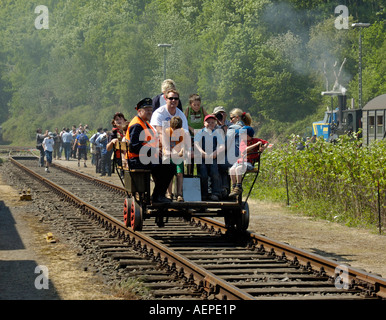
{"points": [[67, 150], [48, 156], [206, 171], [106, 162]]}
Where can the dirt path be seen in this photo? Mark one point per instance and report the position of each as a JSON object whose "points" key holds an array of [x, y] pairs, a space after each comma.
{"points": [[360, 248], [23, 248]]}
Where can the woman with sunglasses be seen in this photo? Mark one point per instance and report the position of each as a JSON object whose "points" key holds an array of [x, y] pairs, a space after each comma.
{"points": [[238, 119]]}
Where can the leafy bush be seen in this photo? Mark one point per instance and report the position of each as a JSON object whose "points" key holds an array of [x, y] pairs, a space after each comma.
{"points": [[336, 181]]}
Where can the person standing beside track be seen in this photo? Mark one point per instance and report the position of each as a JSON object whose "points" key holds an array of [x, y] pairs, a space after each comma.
{"points": [[58, 145], [48, 145], [39, 145], [144, 145], [81, 144], [105, 163], [97, 146], [119, 124], [67, 141], [74, 133]]}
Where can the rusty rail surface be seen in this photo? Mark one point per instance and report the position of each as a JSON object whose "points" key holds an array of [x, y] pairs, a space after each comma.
{"points": [[372, 285], [193, 272]]}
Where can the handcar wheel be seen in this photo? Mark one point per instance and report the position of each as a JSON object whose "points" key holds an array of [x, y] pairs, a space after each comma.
{"points": [[126, 210], [242, 220], [136, 221]]}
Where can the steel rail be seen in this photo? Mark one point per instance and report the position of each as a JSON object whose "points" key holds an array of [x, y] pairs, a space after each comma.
{"points": [[372, 284], [210, 283]]}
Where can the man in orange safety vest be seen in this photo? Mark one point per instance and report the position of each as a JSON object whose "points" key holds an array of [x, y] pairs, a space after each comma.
{"points": [[144, 150]]}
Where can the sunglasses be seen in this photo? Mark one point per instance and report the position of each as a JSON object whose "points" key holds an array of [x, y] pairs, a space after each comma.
{"points": [[173, 98]]}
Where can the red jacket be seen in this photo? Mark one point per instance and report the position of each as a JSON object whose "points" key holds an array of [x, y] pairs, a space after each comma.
{"points": [[252, 155]]}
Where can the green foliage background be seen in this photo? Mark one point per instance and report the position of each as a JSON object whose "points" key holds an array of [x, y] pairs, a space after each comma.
{"points": [[99, 57], [343, 182]]}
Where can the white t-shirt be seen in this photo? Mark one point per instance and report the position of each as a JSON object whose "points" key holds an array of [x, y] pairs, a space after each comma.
{"points": [[162, 114], [48, 144]]}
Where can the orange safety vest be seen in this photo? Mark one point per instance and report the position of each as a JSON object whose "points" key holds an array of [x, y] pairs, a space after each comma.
{"points": [[151, 139]]}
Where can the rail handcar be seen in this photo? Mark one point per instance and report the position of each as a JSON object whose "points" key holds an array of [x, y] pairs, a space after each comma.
{"points": [[138, 205]]}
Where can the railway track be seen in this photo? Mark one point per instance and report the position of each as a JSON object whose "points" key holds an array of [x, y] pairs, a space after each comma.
{"points": [[198, 259]]}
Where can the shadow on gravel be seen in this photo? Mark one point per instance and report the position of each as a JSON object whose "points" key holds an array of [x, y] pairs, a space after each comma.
{"points": [[20, 279], [9, 237], [25, 280], [333, 256]]}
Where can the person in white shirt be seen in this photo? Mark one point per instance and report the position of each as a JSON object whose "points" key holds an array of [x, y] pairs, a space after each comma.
{"points": [[67, 142], [160, 120], [48, 145], [161, 117]]}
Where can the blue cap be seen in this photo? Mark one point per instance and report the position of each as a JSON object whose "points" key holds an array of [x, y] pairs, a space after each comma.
{"points": [[250, 130]]}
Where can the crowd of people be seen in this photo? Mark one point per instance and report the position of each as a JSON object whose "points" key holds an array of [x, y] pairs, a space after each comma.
{"points": [[169, 142], [75, 144], [70, 143]]}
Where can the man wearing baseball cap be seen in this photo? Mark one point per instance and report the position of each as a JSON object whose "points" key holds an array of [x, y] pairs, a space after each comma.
{"points": [[221, 116], [144, 146]]}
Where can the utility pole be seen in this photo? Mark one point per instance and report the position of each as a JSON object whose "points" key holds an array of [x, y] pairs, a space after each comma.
{"points": [[164, 45], [360, 25]]}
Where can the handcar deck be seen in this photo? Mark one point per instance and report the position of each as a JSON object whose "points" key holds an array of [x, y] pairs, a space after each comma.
{"points": [[196, 205]]}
